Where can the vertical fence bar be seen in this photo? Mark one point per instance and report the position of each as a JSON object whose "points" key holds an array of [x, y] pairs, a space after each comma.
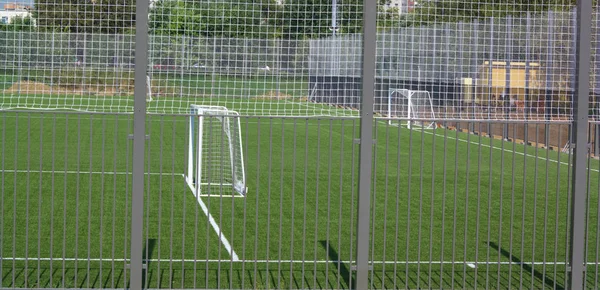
{"points": [[490, 73], [580, 121], [507, 91], [573, 64], [595, 109], [475, 37], [460, 67], [139, 139], [369, 46], [549, 60]]}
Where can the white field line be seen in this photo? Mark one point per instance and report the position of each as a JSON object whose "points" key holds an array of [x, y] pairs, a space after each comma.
{"points": [[214, 225], [202, 205], [81, 172], [494, 147], [471, 264], [109, 173], [427, 132], [181, 119], [191, 186]]}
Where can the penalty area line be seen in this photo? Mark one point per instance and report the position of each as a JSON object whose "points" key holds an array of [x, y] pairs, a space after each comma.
{"points": [[494, 147], [213, 223]]}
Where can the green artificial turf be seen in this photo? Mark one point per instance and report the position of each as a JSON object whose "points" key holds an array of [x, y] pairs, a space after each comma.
{"points": [[443, 203], [437, 196]]}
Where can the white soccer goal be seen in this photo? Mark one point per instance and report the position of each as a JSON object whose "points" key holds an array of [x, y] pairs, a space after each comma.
{"points": [[215, 159], [417, 106], [149, 89]]}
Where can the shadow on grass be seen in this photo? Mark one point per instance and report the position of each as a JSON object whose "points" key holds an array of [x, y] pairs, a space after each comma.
{"points": [[334, 257], [147, 256], [539, 275]]}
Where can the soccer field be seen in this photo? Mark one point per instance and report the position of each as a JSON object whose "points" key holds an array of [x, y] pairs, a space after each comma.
{"points": [[448, 208]]}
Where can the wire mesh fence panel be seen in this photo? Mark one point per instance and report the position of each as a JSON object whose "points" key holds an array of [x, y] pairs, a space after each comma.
{"points": [[511, 62], [292, 227], [258, 161], [592, 246], [457, 210], [64, 199]]}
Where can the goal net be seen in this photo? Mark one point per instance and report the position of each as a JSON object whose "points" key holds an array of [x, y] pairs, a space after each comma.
{"points": [[416, 106], [215, 159]]}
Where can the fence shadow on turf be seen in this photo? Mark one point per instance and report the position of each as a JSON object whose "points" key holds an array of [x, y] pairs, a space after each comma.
{"points": [[147, 256], [334, 257], [260, 276], [57, 277], [526, 267]]}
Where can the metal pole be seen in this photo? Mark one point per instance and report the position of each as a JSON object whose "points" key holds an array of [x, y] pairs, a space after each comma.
{"points": [[474, 72], [527, 71], [572, 66], [139, 139], [549, 66], [490, 70], [507, 89], [595, 108], [334, 16], [576, 274], [366, 143]]}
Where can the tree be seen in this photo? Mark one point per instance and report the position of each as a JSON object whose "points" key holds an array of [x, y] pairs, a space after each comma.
{"points": [[440, 11], [306, 19], [18, 23], [216, 19], [99, 16], [265, 19]]}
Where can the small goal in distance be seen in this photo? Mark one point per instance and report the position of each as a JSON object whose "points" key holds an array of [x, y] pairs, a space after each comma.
{"points": [[215, 156], [415, 105]]}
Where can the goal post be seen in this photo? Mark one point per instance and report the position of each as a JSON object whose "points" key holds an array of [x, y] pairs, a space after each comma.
{"points": [[215, 155], [415, 105]]}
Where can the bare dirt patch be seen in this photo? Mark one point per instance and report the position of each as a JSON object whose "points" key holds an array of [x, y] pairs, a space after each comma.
{"points": [[273, 95], [29, 87]]}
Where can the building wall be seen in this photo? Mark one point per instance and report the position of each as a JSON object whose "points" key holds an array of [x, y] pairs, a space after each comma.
{"points": [[403, 6], [6, 16]]}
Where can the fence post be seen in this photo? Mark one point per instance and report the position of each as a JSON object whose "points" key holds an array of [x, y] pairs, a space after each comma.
{"points": [[139, 139], [366, 143], [576, 275]]}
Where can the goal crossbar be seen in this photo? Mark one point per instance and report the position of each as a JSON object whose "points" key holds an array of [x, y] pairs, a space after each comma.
{"points": [[415, 105]]}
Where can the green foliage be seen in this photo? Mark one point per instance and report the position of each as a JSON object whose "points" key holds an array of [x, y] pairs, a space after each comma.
{"points": [[18, 23], [303, 19], [388, 18], [444, 11], [225, 19], [98, 16], [300, 19]]}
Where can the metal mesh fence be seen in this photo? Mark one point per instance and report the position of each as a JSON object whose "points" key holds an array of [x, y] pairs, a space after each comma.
{"points": [[347, 145]]}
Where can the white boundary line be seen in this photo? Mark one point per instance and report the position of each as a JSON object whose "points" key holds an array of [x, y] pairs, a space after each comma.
{"points": [[80, 172], [493, 147], [109, 173], [213, 223], [224, 240], [471, 264]]}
